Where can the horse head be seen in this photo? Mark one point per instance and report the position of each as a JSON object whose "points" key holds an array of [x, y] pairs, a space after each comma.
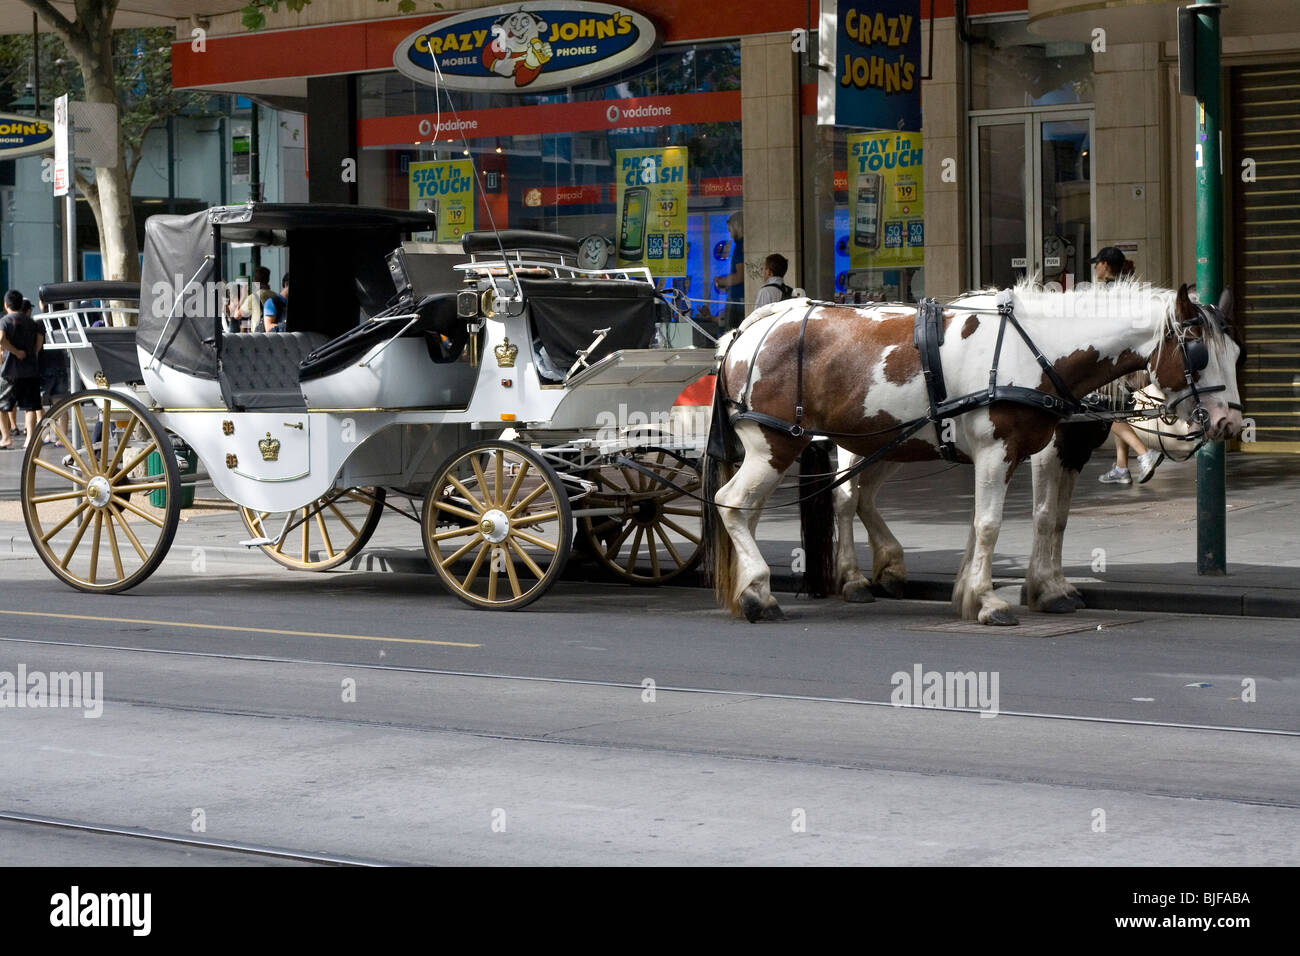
{"points": [[1195, 365]]}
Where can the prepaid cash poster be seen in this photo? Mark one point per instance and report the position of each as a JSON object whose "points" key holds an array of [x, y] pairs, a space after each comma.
{"points": [[886, 214], [652, 209], [447, 188]]}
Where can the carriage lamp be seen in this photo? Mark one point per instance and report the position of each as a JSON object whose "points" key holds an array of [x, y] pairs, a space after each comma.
{"points": [[467, 304]]}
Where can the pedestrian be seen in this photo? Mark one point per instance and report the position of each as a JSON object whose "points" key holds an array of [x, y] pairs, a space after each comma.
{"points": [[275, 312], [774, 288], [734, 281], [1109, 264], [262, 293], [238, 292], [21, 340]]}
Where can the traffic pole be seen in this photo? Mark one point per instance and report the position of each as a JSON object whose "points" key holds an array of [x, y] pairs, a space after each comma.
{"points": [[1211, 460]]}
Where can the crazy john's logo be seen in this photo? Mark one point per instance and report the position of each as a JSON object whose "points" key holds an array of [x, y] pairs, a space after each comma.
{"points": [[23, 135], [526, 47]]}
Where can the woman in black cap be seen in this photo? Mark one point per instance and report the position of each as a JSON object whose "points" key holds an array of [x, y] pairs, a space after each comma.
{"points": [[1108, 265]]}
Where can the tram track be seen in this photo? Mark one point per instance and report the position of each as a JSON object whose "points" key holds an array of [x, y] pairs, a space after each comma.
{"points": [[625, 685], [191, 841]]}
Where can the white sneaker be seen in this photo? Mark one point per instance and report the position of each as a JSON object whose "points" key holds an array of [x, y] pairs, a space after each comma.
{"points": [[1116, 476], [1146, 465]]}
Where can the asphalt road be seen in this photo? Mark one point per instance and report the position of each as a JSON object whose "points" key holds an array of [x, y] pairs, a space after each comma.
{"points": [[372, 716]]}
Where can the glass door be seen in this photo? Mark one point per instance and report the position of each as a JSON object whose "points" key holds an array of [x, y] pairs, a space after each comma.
{"points": [[1033, 195]]}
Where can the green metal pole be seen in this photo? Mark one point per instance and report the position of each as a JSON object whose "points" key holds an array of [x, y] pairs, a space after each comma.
{"points": [[1211, 461]]}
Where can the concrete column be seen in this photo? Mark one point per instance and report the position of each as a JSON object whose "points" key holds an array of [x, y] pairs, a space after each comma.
{"points": [[944, 131], [1129, 154], [769, 98]]}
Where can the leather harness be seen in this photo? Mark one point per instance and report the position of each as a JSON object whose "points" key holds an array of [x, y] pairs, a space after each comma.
{"points": [[927, 337]]}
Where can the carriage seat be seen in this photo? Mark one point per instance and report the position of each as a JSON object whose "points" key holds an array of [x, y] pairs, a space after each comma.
{"points": [[261, 368], [518, 240], [567, 312], [444, 332]]}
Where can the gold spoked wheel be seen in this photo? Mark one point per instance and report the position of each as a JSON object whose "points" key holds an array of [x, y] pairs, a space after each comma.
{"points": [[321, 535], [659, 535], [102, 505], [497, 525]]}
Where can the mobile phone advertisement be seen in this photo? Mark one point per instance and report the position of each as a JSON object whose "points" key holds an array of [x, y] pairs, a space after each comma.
{"points": [[447, 188], [652, 209], [886, 209]]}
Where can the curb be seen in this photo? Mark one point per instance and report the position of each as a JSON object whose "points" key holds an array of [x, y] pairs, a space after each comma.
{"points": [[1221, 600]]}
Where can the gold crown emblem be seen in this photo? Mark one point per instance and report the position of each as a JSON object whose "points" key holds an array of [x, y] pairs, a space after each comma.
{"points": [[270, 448], [506, 354]]}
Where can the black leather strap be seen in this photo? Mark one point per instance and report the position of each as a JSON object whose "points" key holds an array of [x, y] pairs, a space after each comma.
{"points": [[927, 337]]}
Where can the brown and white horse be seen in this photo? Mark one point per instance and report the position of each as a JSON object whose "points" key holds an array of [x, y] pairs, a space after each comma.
{"points": [[862, 377]]}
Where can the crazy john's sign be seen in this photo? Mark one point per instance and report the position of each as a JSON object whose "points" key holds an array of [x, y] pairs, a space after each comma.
{"points": [[875, 48], [24, 135], [526, 47]]}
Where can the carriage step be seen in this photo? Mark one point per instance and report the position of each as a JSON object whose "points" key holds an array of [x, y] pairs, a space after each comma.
{"points": [[256, 542]]}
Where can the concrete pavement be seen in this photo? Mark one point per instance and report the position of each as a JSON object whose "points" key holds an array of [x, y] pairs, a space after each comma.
{"points": [[1126, 548]]}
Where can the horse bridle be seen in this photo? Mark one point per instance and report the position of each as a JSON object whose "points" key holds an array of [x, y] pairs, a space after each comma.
{"points": [[1196, 358]]}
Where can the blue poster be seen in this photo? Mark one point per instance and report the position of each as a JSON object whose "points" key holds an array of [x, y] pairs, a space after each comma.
{"points": [[878, 64]]}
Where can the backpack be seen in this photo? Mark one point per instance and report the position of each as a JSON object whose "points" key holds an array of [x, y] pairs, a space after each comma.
{"points": [[786, 292]]}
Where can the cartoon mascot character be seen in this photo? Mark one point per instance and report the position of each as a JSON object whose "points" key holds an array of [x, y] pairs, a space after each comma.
{"points": [[517, 48]]}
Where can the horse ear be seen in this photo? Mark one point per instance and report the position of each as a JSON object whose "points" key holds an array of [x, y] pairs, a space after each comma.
{"points": [[1183, 308], [1226, 307]]}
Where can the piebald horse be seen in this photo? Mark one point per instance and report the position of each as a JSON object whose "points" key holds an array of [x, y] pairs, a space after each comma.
{"points": [[854, 375]]}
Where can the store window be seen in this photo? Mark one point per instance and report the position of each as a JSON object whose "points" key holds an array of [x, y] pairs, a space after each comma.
{"points": [[864, 221], [549, 161]]}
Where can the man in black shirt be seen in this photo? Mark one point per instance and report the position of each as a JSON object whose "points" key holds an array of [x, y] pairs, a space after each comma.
{"points": [[20, 341]]}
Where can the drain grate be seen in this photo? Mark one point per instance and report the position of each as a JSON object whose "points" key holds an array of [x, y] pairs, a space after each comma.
{"points": [[1031, 625]]}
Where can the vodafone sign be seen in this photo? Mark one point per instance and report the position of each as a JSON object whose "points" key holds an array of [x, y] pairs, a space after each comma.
{"points": [[527, 47]]}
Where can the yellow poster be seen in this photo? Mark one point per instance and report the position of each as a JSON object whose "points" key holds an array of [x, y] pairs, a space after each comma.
{"points": [[447, 188], [652, 209], [886, 212]]}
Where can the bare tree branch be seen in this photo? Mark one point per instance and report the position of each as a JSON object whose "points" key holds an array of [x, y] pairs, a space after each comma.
{"points": [[66, 29]]}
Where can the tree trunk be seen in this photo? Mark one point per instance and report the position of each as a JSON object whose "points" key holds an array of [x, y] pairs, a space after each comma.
{"points": [[121, 249]]}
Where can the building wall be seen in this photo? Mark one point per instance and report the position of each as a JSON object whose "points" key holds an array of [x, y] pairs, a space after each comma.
{"points": [[944, 131], [1130, 148], [770, 105]]}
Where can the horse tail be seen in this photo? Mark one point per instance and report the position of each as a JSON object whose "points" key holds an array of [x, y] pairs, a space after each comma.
{"points": [[719, 561], [817, 519], [721, 451]]}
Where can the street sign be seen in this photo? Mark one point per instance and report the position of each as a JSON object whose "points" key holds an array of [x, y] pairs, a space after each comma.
{"points": [[62, 134]]}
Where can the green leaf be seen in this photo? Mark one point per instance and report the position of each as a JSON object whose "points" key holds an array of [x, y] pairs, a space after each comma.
{"points": [[253, 18], [406, 6]]}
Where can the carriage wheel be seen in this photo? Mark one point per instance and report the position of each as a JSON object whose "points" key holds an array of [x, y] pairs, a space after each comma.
{"points": [[497, 525], [101, 513], [660, 534], [321, 535]]}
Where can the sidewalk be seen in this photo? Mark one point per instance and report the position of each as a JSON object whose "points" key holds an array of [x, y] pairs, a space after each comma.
{"points": [[1146, 535]]}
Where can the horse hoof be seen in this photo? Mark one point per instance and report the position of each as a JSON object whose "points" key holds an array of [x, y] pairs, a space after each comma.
{"points": [[772, 612], [751, 607], [1002, 617], [1061, 604], [891, 586], [858, 592], [1078, 602]]}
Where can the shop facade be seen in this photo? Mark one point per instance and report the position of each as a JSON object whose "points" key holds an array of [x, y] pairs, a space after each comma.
{"points": [[1041, 140]]}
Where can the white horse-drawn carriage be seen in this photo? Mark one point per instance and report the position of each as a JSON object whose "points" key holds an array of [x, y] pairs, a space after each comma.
{"points": [[471, 381]]}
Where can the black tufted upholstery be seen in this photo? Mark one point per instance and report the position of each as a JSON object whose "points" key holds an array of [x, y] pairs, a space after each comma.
{"points": [[262, 367]]}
